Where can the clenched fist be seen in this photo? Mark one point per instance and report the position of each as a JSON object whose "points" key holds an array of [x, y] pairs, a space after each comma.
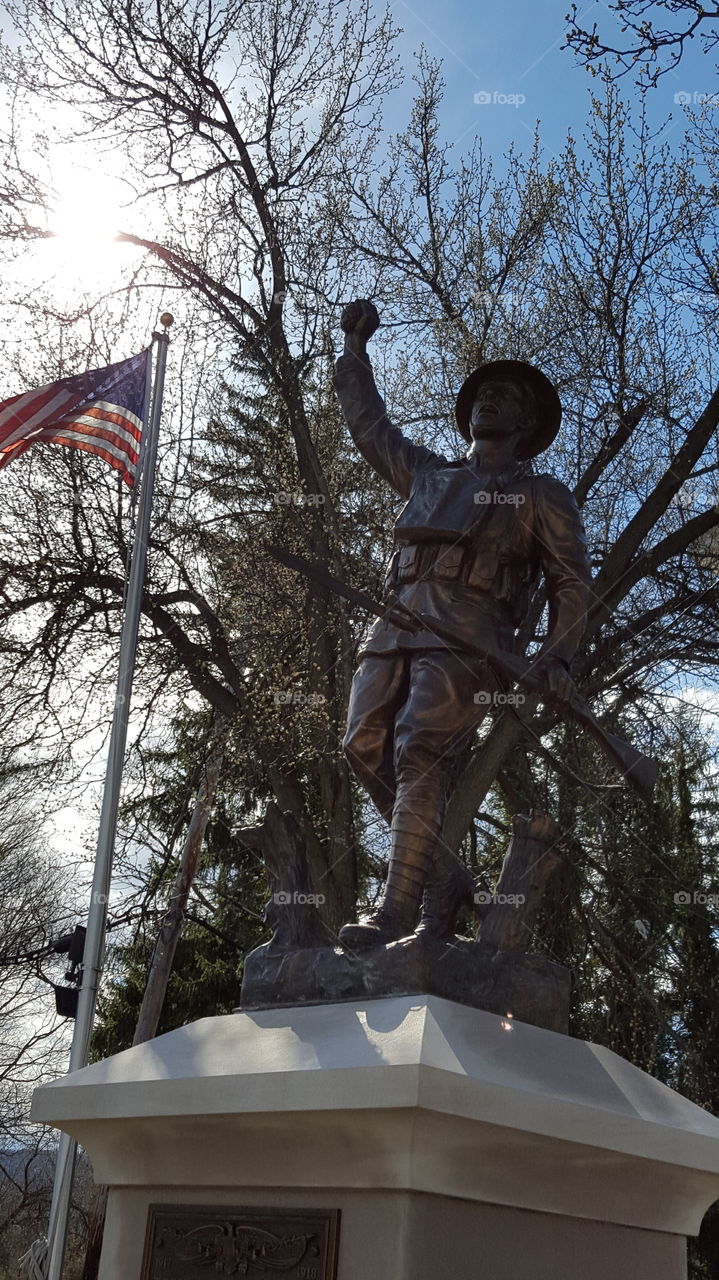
{"points": [[360, 318]]}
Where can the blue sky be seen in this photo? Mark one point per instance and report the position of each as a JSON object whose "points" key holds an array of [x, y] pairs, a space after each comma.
{"points": [[513, 47]]}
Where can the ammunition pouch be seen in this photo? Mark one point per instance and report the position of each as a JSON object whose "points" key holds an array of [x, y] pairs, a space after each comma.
{"points": [[486, 568]]}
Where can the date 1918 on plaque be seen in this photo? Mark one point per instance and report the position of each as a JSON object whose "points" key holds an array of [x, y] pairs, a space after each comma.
{"points": [[188, 1242]]}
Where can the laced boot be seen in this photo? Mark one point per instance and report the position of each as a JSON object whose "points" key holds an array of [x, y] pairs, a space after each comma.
{"points": [[395, 917], [450, 888]]}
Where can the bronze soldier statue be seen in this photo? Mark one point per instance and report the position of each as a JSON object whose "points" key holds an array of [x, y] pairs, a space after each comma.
{"points": [[471, 543]]}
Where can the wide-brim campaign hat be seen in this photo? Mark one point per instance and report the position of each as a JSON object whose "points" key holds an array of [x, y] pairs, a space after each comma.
{"points": [[549, 406]]}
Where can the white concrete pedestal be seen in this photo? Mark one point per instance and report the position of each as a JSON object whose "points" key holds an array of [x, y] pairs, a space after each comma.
{"points": [[457, 1144]]}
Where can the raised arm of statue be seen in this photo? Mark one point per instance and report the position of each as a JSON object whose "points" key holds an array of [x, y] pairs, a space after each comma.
{"points": [[390, 453]]}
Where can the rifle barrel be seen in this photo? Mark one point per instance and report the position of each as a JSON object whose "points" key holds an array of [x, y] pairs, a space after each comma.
{"points": [[639, 770]]}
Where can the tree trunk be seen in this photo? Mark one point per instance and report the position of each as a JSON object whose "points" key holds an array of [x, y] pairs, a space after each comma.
{"points": [[171, 927], [292, 911], [529, 863]]}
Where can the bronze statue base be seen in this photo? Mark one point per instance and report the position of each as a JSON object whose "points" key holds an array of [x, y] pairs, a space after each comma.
{"points": [[530, 988]]}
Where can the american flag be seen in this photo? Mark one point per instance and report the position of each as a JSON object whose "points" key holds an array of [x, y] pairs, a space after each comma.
{"points": [[100, 411]]}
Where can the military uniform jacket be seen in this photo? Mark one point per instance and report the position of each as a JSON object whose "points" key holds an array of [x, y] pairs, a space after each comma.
{"points": [[470, 547]]}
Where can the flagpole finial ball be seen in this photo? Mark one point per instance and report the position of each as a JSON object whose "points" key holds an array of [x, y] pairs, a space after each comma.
{"points": [[166, 319]]}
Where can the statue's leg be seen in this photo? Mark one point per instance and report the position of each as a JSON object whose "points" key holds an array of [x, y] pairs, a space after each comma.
{"points": [[450, 886], [430, 728], [379, 689]]}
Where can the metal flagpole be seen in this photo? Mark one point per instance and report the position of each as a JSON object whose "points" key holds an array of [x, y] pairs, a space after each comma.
{"points": [[97, 915]]}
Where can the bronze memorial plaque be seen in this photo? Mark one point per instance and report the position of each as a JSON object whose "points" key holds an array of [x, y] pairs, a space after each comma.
{"points": [[188, 1242]]}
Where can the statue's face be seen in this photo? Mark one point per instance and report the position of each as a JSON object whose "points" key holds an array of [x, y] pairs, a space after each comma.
{"points": [[500, 411]]}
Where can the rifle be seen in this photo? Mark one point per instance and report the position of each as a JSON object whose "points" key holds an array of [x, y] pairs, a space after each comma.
{"points": [[640, 771]]}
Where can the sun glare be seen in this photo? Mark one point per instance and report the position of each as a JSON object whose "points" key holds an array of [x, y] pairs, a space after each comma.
{"points": [[80, 223], [84, 219]]}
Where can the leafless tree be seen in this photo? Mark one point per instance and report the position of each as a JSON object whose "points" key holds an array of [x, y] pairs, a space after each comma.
{"points": [[645, 45], [257, 127]]}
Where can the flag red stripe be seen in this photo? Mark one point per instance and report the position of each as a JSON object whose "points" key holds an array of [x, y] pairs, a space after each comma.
{"points": [[95, 411], [21, 421], [100, 412], [122, 458], [11, 400], [125, 468], [86, 429], [41, 395]]}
